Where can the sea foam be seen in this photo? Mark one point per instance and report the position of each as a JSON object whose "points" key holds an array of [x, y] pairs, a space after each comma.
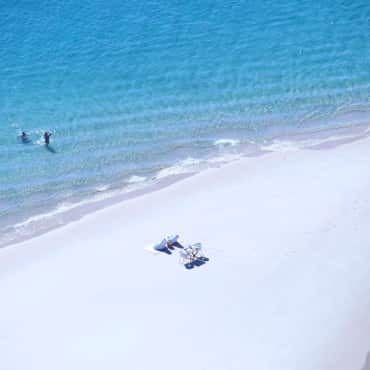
{"points": [[226, 142]]}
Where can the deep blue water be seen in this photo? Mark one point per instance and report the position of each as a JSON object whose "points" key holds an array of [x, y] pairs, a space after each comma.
{"points": [[131, 88]]}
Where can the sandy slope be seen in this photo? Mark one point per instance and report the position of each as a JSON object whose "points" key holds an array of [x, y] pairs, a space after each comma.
{"points": [[287, 285]]}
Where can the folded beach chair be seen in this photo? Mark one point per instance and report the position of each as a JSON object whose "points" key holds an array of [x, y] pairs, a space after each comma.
{"points": [[172, 239], [166, 242], [161, 246]]}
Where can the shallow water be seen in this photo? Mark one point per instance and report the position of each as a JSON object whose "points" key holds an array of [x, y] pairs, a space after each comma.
{"points": [[135, 92]]}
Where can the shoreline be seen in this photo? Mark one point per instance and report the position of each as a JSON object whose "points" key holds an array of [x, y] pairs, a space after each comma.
{"points": [[314, 139], [287, 281]]}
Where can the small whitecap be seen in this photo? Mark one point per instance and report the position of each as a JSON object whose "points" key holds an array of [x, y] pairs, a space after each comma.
{"points": [[224, 159], [135, 179], [102, 188], [185, 166], [42, 216], [189, 161], [282, 146], [226, 142]]}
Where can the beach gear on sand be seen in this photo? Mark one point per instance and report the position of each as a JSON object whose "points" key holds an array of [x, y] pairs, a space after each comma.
{"points": [[157, 248], [190, 256], [191, 253], [164, 244], [161, 246], [172, 239]]}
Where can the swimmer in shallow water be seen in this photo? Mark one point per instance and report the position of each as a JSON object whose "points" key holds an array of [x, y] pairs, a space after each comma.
{"points": [[47, 137], [24, 137]]}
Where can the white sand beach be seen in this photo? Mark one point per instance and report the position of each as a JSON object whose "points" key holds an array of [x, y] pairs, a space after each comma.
{"points": [[286, 287]]}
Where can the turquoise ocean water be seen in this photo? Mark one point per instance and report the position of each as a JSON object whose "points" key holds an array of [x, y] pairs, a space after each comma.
{"points": [[134, 91]]}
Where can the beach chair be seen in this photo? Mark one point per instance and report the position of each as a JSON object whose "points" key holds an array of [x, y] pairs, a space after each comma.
{"points": [[161, 245], [172, 241], [191, 252], [196, 250], [185, 257]]}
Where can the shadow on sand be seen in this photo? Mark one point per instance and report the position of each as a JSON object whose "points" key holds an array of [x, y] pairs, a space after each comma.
{"points": [[196, 263]]}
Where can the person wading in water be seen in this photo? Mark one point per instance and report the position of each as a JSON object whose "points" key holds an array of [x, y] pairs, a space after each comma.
{"points": [[47, 137], [24, 137]]}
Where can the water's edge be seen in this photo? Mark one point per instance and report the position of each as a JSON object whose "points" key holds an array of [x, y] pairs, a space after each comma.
{"points": [[320, 139]]}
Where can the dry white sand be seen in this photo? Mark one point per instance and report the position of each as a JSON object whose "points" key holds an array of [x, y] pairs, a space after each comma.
{"points": [[287, 285]]}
